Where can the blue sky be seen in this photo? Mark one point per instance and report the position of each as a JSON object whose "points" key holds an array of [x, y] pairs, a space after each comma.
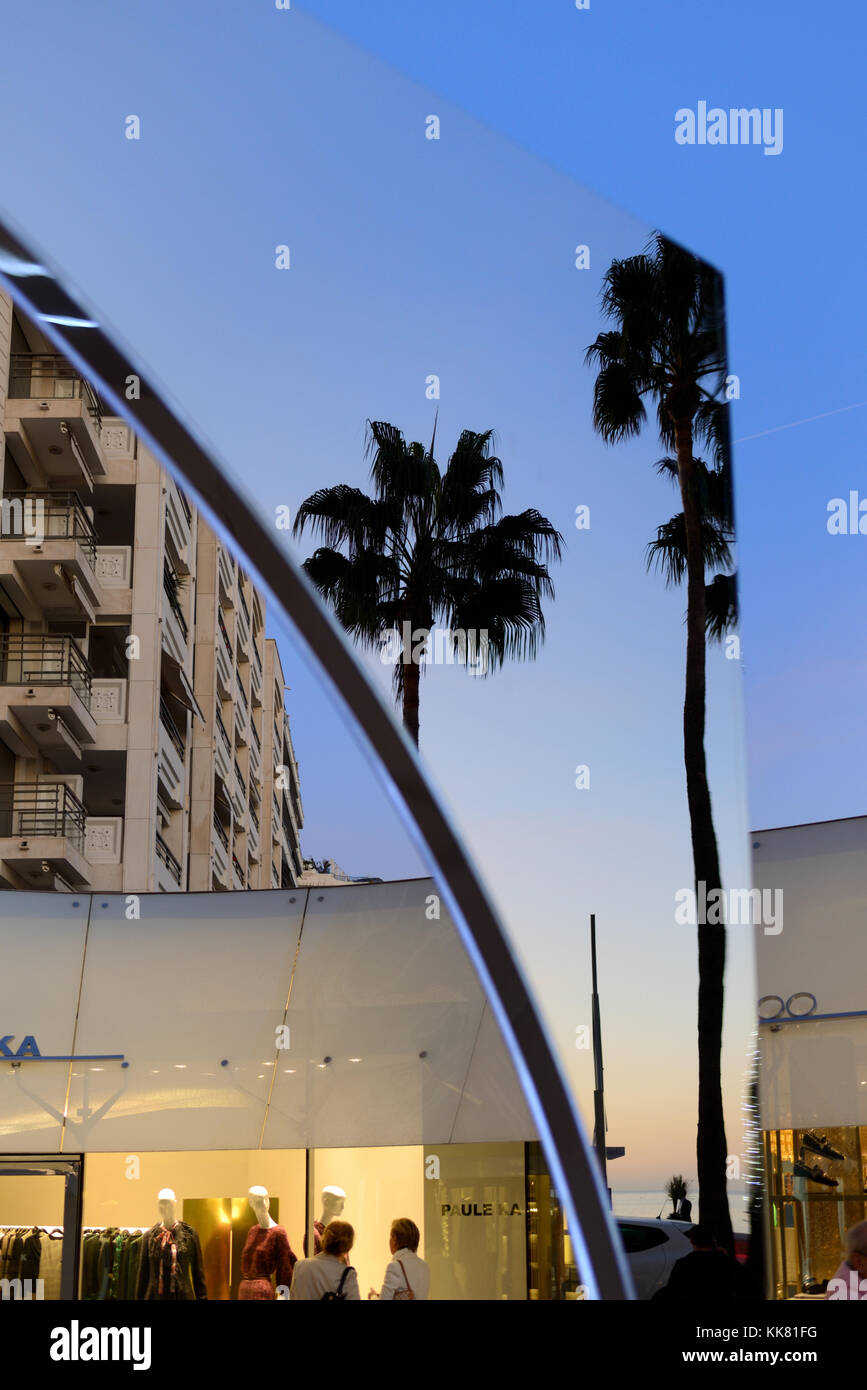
{"points": [[412, 257]]}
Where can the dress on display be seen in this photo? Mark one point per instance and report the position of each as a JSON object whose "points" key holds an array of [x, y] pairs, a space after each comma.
{"points": [[318, 1228], [171, 1264], [266, 1251]]}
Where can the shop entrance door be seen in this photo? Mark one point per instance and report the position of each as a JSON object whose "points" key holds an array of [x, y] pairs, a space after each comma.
{"points": [[40, 1226]]}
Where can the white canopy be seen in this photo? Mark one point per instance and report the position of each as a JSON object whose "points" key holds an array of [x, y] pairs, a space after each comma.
{"points": [[173, 1019]]}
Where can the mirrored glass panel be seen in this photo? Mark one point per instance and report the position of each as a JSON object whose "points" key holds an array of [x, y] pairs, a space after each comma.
{"points": [[486, 413]]}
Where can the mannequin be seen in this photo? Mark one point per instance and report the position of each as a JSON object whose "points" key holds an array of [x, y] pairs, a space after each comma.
{"points": [[266, 1251], [332, 1204], [171, 1257]]}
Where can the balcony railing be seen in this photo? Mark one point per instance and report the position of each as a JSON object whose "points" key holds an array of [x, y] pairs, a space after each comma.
{"points": [[254, 816], [238, 870], [165, 854], [243, 602], [224, 631], [171, 728], [222, 728], [49, 376], [40, 660], [47, 516], [185, 504], [240, 776], [170, 585], [42, 808], [242, 698], [221, 834], [256, 738]]}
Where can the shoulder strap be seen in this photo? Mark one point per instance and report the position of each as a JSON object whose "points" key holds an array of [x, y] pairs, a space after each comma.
{"points": [[403, 1272], [342, 1281]]}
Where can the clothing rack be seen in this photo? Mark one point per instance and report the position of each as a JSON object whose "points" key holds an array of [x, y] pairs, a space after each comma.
{"points": [[32, 1253]]}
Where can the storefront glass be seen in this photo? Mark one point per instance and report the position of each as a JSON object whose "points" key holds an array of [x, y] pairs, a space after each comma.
{"points": [[817, 1192]]}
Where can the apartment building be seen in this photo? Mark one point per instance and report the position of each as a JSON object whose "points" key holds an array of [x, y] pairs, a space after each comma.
{"points": [[144, 740]]}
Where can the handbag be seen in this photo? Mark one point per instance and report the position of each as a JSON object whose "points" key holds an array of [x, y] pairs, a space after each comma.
{"points": [[404, 1295], [339, 1294]]}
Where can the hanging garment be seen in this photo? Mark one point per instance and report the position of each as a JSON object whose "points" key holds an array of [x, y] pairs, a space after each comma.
{"points": [[171, 1264], [130, 1273], [266, 1252], [50, 1265], [106, 1257], [318, 1228], [30, 1252], [90, 1265], [115, 1252]]}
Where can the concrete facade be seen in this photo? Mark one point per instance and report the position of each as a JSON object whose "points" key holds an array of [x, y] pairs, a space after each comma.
{"points": [[144, 740]]}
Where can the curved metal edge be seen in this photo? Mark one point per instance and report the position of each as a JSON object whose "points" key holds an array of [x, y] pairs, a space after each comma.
{"points": [[573, 1166]]}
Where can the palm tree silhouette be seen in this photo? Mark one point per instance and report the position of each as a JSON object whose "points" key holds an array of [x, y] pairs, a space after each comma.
{"points": [[431, 549], [668, 346]]}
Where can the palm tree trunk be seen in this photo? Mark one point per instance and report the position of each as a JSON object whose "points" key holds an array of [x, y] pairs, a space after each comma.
{"points": [[411, 675], [711, 1138]]}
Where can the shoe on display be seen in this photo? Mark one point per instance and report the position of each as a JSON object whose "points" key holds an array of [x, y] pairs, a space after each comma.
{"points": [[815, 1174], [819, 1144], [814, 1286]]}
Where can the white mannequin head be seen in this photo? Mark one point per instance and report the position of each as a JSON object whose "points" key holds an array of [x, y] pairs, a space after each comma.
{"points": [[260, 1203], [167, 1203], [333, 1202]]}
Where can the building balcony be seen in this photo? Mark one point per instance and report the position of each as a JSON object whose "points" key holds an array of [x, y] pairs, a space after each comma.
{"points": [[225, 577], [242, 629], [219, 851], [172, 757], [242, 701], [222, 751], [48, 562], [256, 680], [253, 836], [242, 781], [258, 617], [237, 797], [168, 873], [53, 416], [242, 726], [42, 831], [255, 763], [224, 663], [175, 630], [179, 523], [45, 695], [238, 877], [276, 823]]}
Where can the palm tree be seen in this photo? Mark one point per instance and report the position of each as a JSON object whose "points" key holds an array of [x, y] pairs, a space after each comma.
{"points": [[427, 549], [675, 1190], [668, 346], [667, 552]]}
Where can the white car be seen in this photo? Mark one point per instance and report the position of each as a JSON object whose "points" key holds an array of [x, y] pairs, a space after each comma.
{"points": [[652, 1248]]}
